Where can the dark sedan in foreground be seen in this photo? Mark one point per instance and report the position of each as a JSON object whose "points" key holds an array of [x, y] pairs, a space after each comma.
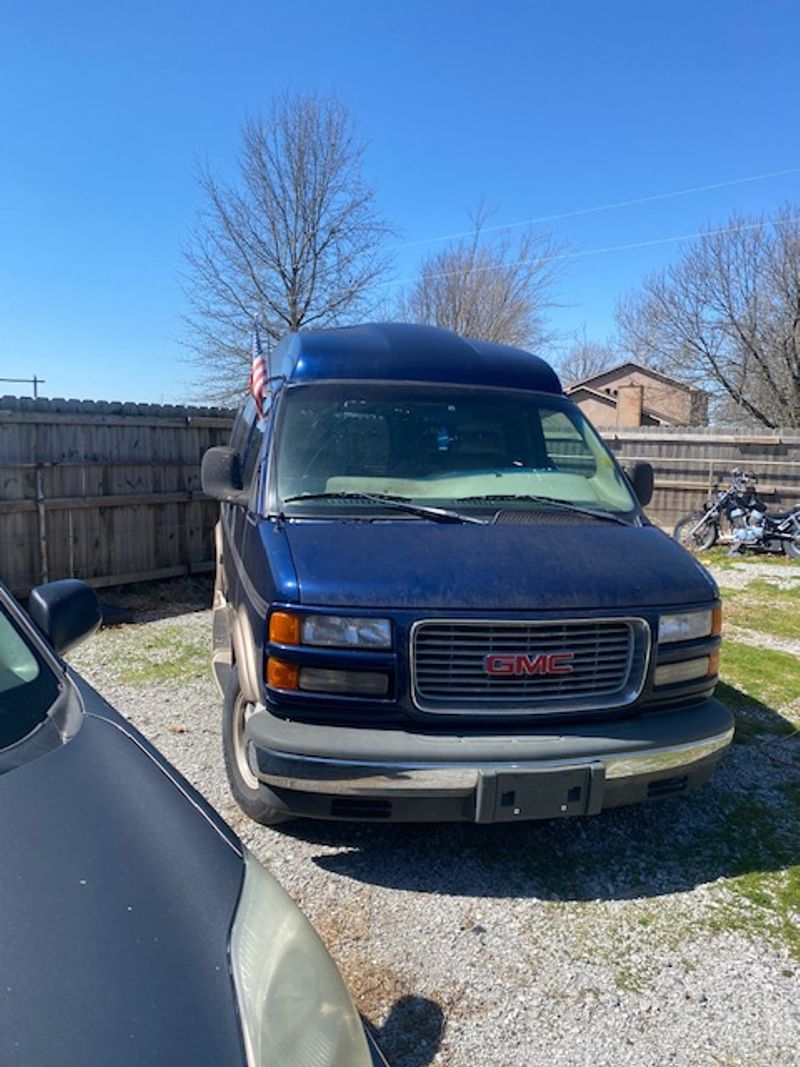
{"points": [[135, 928]]}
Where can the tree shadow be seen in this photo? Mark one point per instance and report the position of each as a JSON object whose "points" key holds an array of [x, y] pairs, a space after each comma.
{"points": [[412, 1032], [744, 820]]}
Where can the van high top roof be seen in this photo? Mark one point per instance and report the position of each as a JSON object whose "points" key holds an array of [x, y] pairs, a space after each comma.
{"points": [[387, 351]]}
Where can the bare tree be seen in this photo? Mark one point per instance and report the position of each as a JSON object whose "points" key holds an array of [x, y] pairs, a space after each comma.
{"points": [[726, 316], [296, 239], [487, 287], [584, 359]]}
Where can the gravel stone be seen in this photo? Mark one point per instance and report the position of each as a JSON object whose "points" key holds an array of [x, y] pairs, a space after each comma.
{"points": [[739, 574]]}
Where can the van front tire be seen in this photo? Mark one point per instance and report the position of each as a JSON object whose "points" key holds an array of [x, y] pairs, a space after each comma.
{"points": [[254, 798]]}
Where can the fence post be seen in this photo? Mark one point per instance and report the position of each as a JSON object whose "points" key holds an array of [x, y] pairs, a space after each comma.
{"points": [[71, 535], [44, 568]]}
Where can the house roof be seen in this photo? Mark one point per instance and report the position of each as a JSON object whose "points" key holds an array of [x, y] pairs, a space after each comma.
{"points": [[595, 394], [584, 392], [626, 367]]}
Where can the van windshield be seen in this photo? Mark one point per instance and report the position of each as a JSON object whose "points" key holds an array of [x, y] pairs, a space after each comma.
{"points": [[439, 445]]}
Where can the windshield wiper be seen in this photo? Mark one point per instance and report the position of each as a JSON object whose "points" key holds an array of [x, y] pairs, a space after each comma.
{"points": [[499, 498], [400, 502]]}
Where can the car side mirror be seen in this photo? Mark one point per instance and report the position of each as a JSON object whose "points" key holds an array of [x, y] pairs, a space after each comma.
{"points": [[641, 476], [67, 612], [221, 475]]}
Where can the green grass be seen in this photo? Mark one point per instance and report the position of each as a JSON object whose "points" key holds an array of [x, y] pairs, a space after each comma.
{"points": [[763, 587], [778, 618], [754, 722], [631, 980], [137, 654], [719, 556], [163, 653], [767, 678], [761, 897], [764, 900], [765, 607]]}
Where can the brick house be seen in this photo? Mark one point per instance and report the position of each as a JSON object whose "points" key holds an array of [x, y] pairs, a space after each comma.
{"points": [[633, 395]]}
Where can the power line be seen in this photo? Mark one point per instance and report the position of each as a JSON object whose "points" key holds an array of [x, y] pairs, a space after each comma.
{"points": [[595, 251], [602, 207], [35, 381]]}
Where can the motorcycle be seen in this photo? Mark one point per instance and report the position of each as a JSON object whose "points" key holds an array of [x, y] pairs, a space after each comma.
{"points": [[737, 517]]}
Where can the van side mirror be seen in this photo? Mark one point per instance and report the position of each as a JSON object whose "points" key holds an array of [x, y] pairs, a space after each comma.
{"points": [[66, 611], [221, 475], [641, 476]]}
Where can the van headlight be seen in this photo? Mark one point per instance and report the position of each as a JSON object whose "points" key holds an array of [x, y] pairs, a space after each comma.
{"points": [[331, 631], [344, 631], [294, 1006], [690, 625]]}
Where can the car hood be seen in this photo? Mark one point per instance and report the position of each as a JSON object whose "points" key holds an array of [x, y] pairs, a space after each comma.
{"points": [[118, 887], [411, 564]]}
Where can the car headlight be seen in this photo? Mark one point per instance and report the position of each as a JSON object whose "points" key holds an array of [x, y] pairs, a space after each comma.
{"points": [[689, 625], [344, 631], [294, 1006]]}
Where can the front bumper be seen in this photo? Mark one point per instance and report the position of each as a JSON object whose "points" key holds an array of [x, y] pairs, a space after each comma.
{"points": [[360, 773]]}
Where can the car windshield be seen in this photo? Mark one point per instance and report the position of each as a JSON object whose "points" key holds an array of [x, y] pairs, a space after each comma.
{"points": [[440, 445], [27, 686]]}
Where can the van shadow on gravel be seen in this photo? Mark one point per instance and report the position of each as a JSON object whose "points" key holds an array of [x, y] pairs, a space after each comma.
{"points": [[743, 821]]}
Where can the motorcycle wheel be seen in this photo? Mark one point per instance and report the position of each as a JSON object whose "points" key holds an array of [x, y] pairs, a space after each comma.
{"points": [[792, 547], [703, 538]]}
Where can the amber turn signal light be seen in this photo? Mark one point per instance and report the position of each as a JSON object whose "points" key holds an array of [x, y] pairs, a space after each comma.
{"points": [[716, 621], [284, 628], [282, 675], [713, 664]]}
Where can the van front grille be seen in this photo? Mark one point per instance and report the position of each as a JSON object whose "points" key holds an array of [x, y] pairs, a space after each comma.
{"points": [[514, 667]]}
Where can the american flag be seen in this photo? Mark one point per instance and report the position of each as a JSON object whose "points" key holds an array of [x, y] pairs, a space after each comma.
{"points": [[258, 371]]}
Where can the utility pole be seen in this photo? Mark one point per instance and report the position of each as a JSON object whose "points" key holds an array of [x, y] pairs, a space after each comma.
{"points": [[35, 381]]}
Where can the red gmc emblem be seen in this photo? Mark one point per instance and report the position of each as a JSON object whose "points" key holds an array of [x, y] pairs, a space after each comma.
{"points": [[517, 663]]}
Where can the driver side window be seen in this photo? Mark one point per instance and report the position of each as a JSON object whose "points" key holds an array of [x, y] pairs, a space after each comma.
{"points": [[250, 459]]}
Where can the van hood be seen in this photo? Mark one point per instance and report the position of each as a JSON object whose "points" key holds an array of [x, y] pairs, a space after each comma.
{"points": [[416, 564]]}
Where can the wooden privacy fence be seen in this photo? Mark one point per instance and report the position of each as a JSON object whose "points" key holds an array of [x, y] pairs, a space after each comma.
{"points": [[687, 463], [102, 491], [111, 492]]}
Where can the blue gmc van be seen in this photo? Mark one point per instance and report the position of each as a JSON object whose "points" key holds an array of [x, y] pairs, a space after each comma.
{"points": [[438, 597]]}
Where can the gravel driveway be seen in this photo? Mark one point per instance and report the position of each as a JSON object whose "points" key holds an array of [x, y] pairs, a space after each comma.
{"points": [[653, 935]]}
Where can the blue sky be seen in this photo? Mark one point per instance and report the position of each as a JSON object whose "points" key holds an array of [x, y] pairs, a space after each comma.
{"points": [[540, 108]]}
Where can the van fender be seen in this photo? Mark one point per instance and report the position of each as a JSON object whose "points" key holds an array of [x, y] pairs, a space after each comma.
{"points": [[246, 655], [219, 568], [221, 627], [244, 647], [233, 641], [233, 644]]}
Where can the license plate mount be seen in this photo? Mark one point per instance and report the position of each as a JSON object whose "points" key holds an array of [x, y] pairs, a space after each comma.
{"points": [[510, 796]]}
